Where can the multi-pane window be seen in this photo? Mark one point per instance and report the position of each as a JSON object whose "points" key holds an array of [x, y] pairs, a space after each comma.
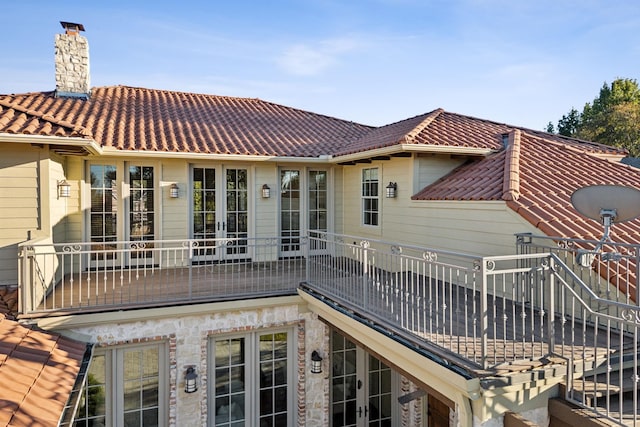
{"points": [[237, 209], [104, 207], [141, 203], [204, 203], [370, 199], [252, 376], [318, 200], [125, 386], [290, 210]]}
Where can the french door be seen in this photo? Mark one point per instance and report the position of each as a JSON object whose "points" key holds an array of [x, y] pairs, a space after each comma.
{"points": [[113, 219], [295, 201], [220, 206], [362, 387]]}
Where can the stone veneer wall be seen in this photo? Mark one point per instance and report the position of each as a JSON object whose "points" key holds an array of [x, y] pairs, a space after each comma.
{"points": [[72, 64], [187, 339]]}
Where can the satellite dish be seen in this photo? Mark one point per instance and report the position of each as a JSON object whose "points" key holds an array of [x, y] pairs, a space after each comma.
{"points": [[608, 204], [598, 201]]}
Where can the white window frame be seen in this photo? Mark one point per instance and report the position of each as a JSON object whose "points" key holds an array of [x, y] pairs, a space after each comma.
{"points": [[114, 381], [364, 197], [252, 374]]}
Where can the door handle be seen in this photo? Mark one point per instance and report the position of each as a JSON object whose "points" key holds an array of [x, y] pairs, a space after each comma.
{"points": [[359, 384], [218, 225], [359, 411]]}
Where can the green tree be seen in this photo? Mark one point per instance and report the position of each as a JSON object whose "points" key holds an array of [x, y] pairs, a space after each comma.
{"points": [[612, 118], [569, 123]]}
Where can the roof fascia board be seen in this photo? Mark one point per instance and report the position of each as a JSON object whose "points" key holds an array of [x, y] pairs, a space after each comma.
{"points": [[436, 149], [89, 144], [208, 156]]}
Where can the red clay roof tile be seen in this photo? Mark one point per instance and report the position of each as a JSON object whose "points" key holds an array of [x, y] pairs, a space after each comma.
{"points": [[40, 383], [128, 118]]}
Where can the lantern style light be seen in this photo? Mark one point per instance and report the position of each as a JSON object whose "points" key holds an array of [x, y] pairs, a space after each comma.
{"points": [[392, 190], [174, 191], [266, 191], [190, 380], [316, 363], [64, 188]]}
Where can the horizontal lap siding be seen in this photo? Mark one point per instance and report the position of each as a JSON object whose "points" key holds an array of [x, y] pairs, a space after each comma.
{"points": [[19, 204]]}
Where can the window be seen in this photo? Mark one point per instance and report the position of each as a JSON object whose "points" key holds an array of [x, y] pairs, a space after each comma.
{"points": [[251, 378], [125, 386], [104, 208], [370, 199], [318, 200]]}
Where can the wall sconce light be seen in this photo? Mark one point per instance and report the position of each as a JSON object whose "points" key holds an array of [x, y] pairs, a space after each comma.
{"points": [[392, 189], [316, 363], [64, 188], [266, 191], [174, 191], [190, 380]]}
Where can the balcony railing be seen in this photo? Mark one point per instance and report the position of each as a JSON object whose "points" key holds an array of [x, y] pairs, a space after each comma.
{"points": [[494, 313], [477, 313], [82, 277]]}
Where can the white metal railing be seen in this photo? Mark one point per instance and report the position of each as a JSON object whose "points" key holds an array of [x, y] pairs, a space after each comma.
{"points": [[102, 276], [488, 311], [609, 269]]}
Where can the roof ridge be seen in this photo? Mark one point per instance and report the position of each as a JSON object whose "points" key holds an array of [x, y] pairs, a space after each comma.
{"points": [[423, 124], [79, 130], [511, 178]]}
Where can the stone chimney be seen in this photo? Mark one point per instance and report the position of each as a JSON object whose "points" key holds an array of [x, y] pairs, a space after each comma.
{"points": [[72, 63]]}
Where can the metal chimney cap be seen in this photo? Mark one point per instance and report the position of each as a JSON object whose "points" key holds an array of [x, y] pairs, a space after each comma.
{"points": [[71, 27]]}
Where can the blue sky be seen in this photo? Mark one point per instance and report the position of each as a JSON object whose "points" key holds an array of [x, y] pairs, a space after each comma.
{"points": [[374, 62]]}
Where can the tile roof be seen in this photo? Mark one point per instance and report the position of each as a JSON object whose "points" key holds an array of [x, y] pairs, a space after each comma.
{"points": [[536, 176], [38, 371], [130, 118], [9, 301]]}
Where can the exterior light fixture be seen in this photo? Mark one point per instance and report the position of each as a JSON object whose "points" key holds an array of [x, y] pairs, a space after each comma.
{"points": [[266, 191], [392, 190], [316, 363], [174, 191], [190, 380], [64, 188]]}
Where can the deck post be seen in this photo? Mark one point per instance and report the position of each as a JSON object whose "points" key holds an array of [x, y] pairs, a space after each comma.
{"points": [[365, 273], [484, 315], [552, 305], [192, 243]]}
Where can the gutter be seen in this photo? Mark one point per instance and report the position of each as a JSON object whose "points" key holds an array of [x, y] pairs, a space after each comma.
{"points": [[88, 144], [413, 148], [322, 159]]}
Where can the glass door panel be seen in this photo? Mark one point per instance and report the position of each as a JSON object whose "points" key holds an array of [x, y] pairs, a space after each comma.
{"points": [[104, 214], [236, 226], [205, 219], [220, 206], [230, 386], [141, 211], [318, 211], [290, 212], [361, 387]]}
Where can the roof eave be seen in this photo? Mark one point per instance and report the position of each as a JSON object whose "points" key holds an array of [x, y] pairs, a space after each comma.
{"points": [[214, 156], [88, 145], [413, 148]]}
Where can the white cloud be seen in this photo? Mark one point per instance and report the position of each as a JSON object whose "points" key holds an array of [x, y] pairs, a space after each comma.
{"points": [[308, 60]]}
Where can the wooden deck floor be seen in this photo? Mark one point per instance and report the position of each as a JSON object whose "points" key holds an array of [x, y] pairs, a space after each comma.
{"points": [[108, 289]]}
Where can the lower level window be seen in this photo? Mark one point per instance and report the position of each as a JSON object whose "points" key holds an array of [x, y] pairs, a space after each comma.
{"points": [[252, 380], [125, 386]]}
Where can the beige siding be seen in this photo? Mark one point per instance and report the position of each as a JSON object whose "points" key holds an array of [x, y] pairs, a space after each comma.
{"points": [[75, 212], [174, 213], [430, 168], [265, 217], [482, 227], [20, 201]]}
